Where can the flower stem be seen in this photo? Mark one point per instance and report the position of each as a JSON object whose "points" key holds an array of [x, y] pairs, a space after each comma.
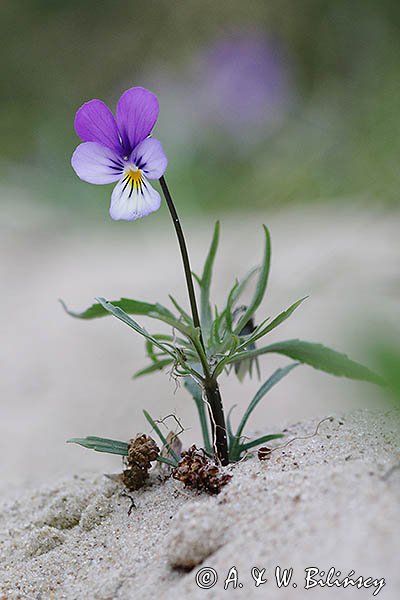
{"points": [[184, 252], [211, 388]]}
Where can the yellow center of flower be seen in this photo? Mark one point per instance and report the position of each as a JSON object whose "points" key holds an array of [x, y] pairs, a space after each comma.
{"points": [[134, 177]]}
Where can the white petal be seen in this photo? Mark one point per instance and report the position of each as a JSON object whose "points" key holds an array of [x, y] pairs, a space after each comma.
{"points": [[131, 202]]}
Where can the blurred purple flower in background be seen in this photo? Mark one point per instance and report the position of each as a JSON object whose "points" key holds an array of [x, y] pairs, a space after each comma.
{"points": [[239, 87], [120, 149], [247, 83]]}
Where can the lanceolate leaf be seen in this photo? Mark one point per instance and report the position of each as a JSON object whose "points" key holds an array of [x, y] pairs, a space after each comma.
{"points": [[261, 284], [162, 437], [315, 355], [205, 282], [100, 444], [237, 447], [229, 308], [156, 366], [122, 316], [242, 284], [261, 440], [195, 391], [185, 316], [260, 332], [264, 389], [130, 307]]}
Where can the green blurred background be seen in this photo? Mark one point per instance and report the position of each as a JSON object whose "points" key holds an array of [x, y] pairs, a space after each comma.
{"points": [[262, 102]]}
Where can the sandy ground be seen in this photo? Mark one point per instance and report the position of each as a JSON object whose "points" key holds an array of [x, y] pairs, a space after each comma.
{"points": [[63, 377]]}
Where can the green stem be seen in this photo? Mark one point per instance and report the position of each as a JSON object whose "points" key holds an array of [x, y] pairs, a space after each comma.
{"points": [[210, 384]]}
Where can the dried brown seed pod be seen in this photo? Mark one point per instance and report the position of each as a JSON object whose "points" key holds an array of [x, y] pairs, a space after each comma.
{"points": [[142, 451], [264, 453], [197, 471]]}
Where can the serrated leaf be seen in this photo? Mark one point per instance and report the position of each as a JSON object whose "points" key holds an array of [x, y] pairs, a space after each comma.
{"points": [[261, 284], [100, 444], [315, 355]]}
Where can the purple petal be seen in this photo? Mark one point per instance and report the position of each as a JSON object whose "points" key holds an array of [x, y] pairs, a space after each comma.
{"points": [[137, 112], [130, 202], [150, 158], [96, 163], [94, 122]]}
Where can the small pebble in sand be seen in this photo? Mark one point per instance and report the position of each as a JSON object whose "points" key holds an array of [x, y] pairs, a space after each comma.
{"points": [[264, 453]]}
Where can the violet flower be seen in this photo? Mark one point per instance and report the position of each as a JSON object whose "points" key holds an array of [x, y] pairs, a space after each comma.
{"points": [[120, 149]]}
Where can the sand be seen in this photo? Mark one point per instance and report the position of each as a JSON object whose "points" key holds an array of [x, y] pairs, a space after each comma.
{"points": [[329, 501]]}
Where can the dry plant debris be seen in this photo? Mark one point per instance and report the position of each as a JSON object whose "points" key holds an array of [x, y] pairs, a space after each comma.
{"points": [[198, 472], [142, 451]]}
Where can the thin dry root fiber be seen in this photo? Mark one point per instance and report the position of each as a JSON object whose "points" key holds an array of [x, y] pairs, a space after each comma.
{"points": [[142, 451], [197, 471]]}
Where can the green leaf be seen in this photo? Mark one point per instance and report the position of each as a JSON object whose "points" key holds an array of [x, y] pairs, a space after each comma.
{"points": [[197, 278], [162, 437], [214, 332], [315, 355], [185, 316], [149, 346], [166, 461], [261, 440], [100, 444], [205, 282], [259, 333], [229, 306], [195, 391], [261, 284], [237, 447], [229, 431], [130, 307], [243, 284], [156, 366], [122, 316], [264, 389]]}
